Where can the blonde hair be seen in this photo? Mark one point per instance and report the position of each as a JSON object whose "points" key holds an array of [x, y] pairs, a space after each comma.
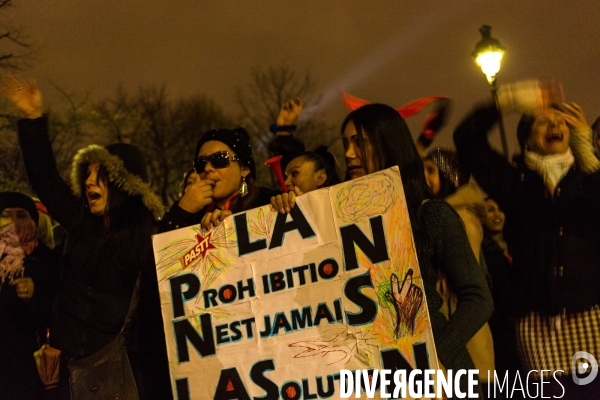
{"points": [[45, 231]]}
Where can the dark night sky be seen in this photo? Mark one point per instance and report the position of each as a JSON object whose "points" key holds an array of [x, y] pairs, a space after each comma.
{"points": [[385, 51]]}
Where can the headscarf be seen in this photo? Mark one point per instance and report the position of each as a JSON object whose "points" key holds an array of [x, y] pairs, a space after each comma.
{"points": [[25, 228], [11, 254]]}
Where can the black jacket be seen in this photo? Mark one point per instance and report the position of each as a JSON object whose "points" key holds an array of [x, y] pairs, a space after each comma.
{"points": [[555, 238], [94, 295], [96, 284], [95, 291], [22, 323]]}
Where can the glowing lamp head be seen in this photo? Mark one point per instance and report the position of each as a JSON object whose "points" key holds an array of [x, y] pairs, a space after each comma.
{"points": [[489, 63], [488, 53]]}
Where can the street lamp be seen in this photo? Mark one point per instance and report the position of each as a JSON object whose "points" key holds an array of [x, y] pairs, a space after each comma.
{"points": [[488, 55]]}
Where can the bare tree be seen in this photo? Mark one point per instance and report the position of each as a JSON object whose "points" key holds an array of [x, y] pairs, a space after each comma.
{"points": [[260, 101], [166, 130], [17, 48], [16, 51], [71, 127], [69, 130], [12, 171]]}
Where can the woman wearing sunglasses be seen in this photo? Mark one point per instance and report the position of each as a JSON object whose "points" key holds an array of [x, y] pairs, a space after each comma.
{"points": [[226, 186]]}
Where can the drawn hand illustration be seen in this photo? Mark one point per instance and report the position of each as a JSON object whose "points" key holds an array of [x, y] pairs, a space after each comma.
{"points": [[406, 299]]}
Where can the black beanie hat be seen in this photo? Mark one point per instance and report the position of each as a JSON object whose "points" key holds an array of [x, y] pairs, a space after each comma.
{"points": [[237, 139], [132, 158], [19, 200]]}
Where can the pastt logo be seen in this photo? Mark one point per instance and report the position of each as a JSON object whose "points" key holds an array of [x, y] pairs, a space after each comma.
{"points": [[198, 251]]}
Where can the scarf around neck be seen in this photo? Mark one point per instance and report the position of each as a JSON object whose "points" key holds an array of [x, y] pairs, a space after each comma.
{"points": [[11, 254], [551, 168]]}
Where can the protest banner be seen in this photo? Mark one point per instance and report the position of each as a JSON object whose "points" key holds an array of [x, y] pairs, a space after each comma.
{"points": [[269, 305]]}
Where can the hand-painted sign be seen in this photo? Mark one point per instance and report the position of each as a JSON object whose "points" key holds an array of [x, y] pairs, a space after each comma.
{"points": [[269, 305]]}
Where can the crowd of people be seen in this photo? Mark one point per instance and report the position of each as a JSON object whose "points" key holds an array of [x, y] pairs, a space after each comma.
{"points": [[509, 251]]}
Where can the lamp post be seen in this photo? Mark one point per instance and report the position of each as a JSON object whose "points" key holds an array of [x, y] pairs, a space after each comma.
{"points": [[488, 55]]}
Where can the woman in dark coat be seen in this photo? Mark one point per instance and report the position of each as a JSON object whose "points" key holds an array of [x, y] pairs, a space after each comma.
{"points": [[376, 137], [109, 212], [25, 280], [550, 199]]}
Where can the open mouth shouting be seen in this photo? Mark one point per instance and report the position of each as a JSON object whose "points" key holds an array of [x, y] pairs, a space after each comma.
{"points": [[554, 137], [96, 201], [549, 133], [93, 197], [95, 190]]}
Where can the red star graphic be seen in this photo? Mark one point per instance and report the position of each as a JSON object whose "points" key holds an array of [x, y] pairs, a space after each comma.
{"points": [[206, 244]]}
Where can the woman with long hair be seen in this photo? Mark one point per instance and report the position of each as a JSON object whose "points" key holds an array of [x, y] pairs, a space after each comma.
{"points": [[109, 212], [450, 182], [375, 137]]}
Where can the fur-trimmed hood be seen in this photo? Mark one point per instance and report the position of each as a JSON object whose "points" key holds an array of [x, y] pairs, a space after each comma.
{"points": [[118, 174]]}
